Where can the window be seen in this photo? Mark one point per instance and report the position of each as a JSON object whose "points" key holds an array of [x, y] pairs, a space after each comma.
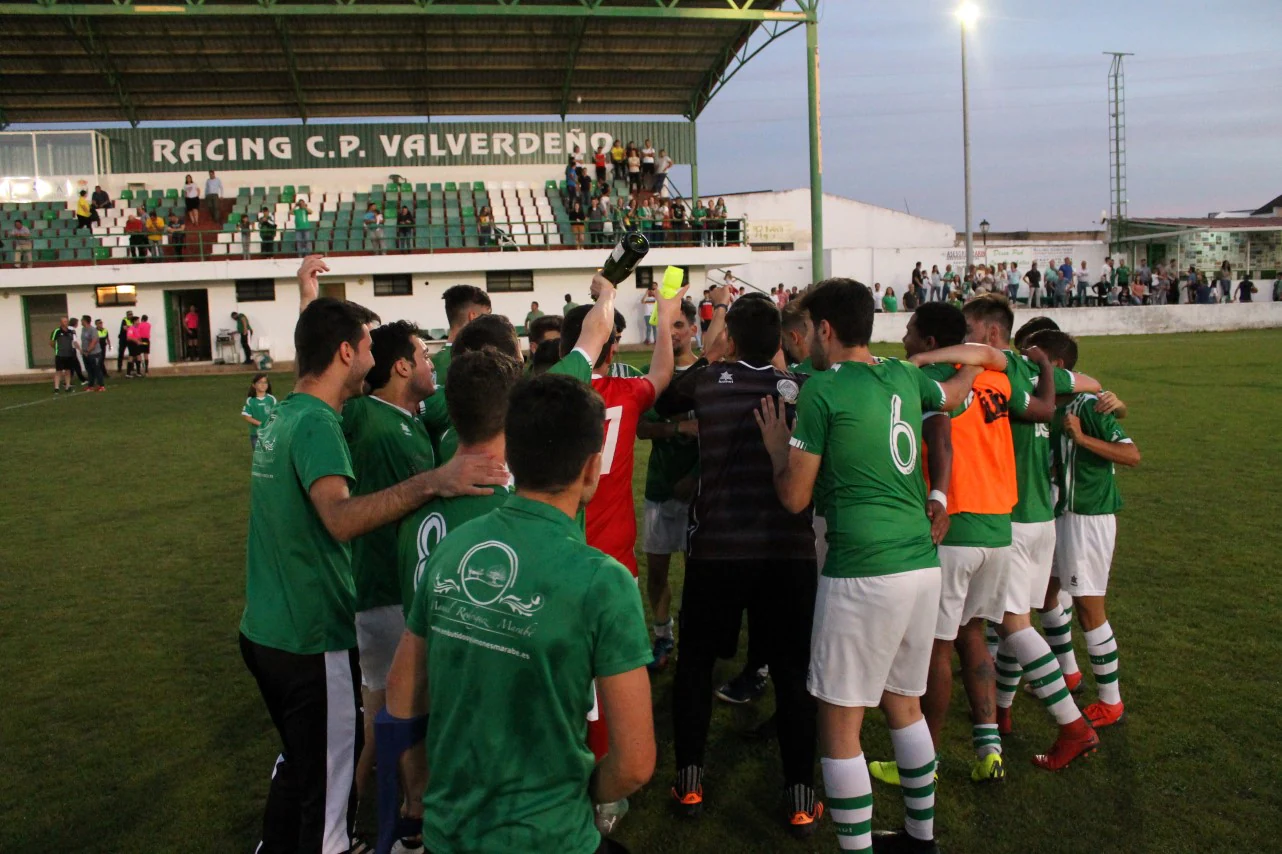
{"points": [[255, 290], [116, 295], [772, 247], [509, 280], [393, 285], [644, 277]]}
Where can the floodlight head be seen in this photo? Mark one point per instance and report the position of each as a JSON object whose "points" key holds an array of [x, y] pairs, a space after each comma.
{"points": [[968, 14]]}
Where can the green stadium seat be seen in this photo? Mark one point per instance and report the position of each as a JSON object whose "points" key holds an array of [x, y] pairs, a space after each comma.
{"points": [[451, 187], [551, 185], [233, 219], [274, 190], [436, 189], [101, 253], [126, 195], [478, 185], [49, 216], [377, 188], [171, 193], [420, 204], [420, 188], [243, 192], [288, 188], [46, 255], [467, 212], [304, 189]]}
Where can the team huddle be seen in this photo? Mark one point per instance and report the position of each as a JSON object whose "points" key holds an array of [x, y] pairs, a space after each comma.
{"points": [[443, 608]]}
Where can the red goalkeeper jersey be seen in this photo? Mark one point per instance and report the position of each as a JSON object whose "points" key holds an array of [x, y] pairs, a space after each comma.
{"points": [[611, 514]]}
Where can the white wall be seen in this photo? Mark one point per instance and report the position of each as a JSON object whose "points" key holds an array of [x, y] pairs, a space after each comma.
{"points": [[1125, 320], [848, 223]]}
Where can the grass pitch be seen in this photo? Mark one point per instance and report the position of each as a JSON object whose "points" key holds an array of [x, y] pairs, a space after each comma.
{"points": [[131, 725]]}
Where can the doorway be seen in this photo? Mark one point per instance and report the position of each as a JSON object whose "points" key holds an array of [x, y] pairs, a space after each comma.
{"points": [[41, 313], [333, 288], [176, 305]]}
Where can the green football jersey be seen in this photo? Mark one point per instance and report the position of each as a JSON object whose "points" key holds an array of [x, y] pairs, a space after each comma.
{"points": [[520, 616], [805, 367], [625, 371], [421, 533], [259, 409], [441, 362], [1033, 450], [298, 579], [670, 459], [864, 420], [387, 445], [1087, 485], [576, 365]]}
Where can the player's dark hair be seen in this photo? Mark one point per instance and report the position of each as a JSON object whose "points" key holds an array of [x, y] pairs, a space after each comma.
{"points": [[253, 392], [688, 309], [544, 358], [941, 321], [488, 330], [541, 326], [1037, 324], [324, 326], [572, 328], [389, 344], [1056, 345], [991, 308], [847, 305], [754, 326], [477, 390], [554, 425], [459, 299]]}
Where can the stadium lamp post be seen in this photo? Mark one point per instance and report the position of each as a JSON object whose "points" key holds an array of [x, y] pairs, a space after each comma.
{"points": [[967, 14], [811, 8], [983, 229]]}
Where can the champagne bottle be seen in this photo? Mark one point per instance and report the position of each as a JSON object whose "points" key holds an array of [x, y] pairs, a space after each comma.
{"points": [[625, 257]]}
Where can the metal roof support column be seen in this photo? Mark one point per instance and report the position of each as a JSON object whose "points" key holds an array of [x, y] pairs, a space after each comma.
{"points": [[816, 144], [576, 41], [694, 163], [102, 59], [282, 33]]}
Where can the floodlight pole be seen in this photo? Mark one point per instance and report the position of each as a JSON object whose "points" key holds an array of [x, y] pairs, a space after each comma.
{"points": [[694, 162], [816, 144], [970, 237]]}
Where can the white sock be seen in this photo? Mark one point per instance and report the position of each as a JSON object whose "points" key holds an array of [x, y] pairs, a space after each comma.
{"points": [[1008, 674], [1065, 601], [991, 639], [915, 756], [1042, 669], [663, 630], [1102, 647], [849, 792], [1058, 626], [985, 739]]}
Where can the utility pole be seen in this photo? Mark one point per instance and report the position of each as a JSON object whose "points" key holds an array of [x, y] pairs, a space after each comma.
{"points": [[1117, 148]]}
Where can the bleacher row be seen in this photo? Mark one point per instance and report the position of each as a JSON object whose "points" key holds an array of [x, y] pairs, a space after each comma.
{"points": [[53, 231]]}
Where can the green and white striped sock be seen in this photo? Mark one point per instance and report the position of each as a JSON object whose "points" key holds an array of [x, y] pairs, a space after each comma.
{"points": [[991, 639], [915, 756], [1066, 602], [984, 738], [849, 792], [1102, 647], [1058, 626], [1008, 674], [1044, 676]]}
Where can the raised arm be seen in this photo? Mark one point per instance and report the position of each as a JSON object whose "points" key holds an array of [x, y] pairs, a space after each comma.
{"points": [[598, 325], [664, 359], [715, 336], [346, 516], [308, 280]]}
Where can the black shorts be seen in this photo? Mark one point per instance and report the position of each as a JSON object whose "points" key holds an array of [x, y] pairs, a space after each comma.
{"points": [[65, 363], [192, 203], [704, 324], [133, 348], [144, 346]]}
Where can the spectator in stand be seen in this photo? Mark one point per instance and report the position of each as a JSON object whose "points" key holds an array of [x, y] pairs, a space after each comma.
{"points": [[177, 233], [910, 299], [599, 160], [302, 227], [715, 224], [949, 280], [21, 237], [84, 212], [663, 222], [1066, 278], [577, 156], [679, 233], [889, 304], [917, 286], [1244, 289], [1063, 287], [1083, 279], [244, 329], [100, 200], [1277, 289], [618, 159], [267, 231], [662, 164], [585, 188], [1225, 281], [404, 229], [936, 284], [372, 222], [576, 222], [485, 225], [647, 165], [1033, 278], [246, 228], [191, 196], [571, 183], [596, 224], [191, 330], [213, 197], [570, 305], [1012, 282], [155, 234], [699, 223], [532, 315], [634, 170], [648, 302], [645, 219], [877, 298]]}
